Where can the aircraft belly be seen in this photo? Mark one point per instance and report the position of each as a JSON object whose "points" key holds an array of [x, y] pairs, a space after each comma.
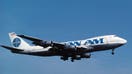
{"points": [[103, 47], [45, 53]]}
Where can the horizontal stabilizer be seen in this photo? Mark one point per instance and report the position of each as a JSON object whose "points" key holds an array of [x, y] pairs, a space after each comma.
{"points": [[11, 48]]}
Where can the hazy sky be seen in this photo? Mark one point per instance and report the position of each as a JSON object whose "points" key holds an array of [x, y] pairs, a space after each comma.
{"points": [[63, 20]]}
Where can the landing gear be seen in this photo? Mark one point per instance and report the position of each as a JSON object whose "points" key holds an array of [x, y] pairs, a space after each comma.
{"points": [[64, 58], [113, 52], [72, 59], [75, 57], [86, 56]]}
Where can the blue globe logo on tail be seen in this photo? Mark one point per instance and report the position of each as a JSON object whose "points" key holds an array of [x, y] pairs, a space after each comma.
{"points": [[16, 42]]}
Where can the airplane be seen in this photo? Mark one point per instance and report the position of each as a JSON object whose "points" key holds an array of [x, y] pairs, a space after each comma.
{"points": [[75, 50]]}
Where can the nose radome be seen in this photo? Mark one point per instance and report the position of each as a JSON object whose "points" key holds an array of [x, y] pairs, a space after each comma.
{"points": [[124, 41]]}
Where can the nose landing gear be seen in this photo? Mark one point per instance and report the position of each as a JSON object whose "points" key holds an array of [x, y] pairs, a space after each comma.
{"points": [[113, 52]]}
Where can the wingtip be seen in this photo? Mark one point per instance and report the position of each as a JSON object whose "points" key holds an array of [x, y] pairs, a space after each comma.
{"points": [[2, 45]]}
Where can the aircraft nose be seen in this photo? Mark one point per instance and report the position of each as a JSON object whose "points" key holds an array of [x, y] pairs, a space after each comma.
{"points": [[123, 41]]}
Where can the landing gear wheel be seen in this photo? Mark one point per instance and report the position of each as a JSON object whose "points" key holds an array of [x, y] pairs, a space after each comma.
{"points": [[112, 52], [72, 60], [64, 58]]}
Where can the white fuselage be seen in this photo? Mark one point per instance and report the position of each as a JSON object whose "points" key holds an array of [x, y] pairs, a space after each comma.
{"points": [[95, 44], [99, 43]]}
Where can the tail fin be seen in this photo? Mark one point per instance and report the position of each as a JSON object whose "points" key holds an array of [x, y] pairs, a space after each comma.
{"points": [[18, 42]]}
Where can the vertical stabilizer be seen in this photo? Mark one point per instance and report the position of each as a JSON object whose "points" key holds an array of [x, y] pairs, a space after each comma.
{"points": [[18, 42]]}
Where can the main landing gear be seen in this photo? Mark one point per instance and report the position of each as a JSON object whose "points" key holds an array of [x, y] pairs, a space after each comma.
{"points": [[64, 58], [75, 57], [72, 59]]}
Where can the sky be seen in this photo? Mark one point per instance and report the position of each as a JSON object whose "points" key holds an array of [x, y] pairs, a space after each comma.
{"points": [[66, 20]]}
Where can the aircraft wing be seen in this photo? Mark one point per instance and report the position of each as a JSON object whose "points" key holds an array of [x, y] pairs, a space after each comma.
{"points": [[42, 43], [55, 45], [11, 48], [30, 38]]}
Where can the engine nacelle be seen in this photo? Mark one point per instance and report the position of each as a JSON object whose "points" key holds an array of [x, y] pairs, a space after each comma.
{"points": [[86, 56]]}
